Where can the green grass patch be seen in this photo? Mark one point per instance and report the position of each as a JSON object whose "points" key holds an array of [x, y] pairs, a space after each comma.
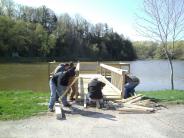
{"points": [[21, 104], [169, 96]]}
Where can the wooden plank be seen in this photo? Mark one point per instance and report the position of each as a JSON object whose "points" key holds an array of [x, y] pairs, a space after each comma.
{"points": [[112, 86], [116, 70], [132, 110], [58, 111], [139, 107], [89, 76], [146, 102], [81, 87], [130, 98], [85, 101], [134, 100]]}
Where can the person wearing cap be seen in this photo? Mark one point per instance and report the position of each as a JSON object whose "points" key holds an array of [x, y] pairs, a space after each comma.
{"points": [[95, 91]]}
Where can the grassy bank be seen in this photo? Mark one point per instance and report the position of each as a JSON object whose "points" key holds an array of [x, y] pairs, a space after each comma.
{"points": [[21, 104], [175, 97]]}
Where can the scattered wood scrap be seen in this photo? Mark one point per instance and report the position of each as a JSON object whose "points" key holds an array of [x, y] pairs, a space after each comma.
{"points": [[135, 104]]}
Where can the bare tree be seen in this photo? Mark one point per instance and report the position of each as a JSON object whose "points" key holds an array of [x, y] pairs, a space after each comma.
{"points": [[163, 21]]}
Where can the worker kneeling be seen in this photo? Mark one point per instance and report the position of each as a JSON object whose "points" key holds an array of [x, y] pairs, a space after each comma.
{"points": [[95, 92]]}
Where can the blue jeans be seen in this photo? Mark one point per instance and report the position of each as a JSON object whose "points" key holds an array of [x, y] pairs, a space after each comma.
{"points": [[129, 89], [59, 90]]}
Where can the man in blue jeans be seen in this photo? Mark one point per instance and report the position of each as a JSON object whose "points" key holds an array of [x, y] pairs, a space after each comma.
{"points": [[58, 84], [130, 83]]}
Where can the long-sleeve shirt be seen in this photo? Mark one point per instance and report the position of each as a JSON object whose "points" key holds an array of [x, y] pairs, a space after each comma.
{"points": [[62, 78]]}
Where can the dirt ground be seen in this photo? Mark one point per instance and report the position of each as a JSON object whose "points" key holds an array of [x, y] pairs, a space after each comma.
{"points": [[95, 123]]}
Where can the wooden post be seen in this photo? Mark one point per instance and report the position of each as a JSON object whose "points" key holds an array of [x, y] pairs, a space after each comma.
{"points": [[123, 84], [105, 73], [101, 70]]}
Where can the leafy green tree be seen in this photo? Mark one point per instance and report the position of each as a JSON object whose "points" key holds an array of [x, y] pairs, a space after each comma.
{"points": [[6, 25]]}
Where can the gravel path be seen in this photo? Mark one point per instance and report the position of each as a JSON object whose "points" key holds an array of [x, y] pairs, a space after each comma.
{"points": [[95, 123]]}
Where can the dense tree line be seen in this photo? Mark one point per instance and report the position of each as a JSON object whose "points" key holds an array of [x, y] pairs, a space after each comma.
{"points": [[38, 32], [153, 50]]}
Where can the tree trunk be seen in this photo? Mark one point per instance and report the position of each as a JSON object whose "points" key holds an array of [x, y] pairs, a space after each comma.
{"points": [[171, 68]]}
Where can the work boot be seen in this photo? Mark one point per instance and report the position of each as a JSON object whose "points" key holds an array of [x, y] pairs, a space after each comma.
{"points": [[51, 110]]}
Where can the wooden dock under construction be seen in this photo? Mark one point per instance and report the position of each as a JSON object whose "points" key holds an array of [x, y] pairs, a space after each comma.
{"points": [[113, 75]]}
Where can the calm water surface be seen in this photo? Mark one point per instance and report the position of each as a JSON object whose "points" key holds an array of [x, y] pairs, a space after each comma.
{"points": [[154, 75]]}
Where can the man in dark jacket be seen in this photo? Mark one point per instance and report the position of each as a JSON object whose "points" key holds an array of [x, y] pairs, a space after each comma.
{"points": [[95, 91], [58, 84]]}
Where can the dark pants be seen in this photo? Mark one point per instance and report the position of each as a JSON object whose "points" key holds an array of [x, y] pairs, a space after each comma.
{"points": [[130, 89]]}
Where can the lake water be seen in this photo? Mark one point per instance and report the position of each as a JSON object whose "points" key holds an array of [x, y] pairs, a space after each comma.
{"points": [[154, 75]]}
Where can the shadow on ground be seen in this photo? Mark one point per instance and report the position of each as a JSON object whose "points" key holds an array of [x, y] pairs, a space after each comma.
{"points": [[89, 113]]}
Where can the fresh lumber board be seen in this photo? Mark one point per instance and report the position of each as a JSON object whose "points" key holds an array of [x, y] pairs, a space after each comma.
{"points": [[134, 100], [129, 99], [146, 102], [131, 110], [139, 107], [58, 111], [112, 86], [85, 101]]}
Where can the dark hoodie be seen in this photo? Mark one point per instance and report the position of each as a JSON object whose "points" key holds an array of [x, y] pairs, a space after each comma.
{"points": [[95, 89]]}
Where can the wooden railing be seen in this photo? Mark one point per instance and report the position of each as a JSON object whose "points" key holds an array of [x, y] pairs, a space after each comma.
{"points": [[121, 66], [115, 76], [77, 70]]}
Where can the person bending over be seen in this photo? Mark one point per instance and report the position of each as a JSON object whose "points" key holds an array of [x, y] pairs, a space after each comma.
{"points": [[130, 83], [95, 91], [58, 84]]}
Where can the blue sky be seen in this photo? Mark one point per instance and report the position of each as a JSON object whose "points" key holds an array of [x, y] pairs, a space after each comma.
{"points": [[119, 14]]}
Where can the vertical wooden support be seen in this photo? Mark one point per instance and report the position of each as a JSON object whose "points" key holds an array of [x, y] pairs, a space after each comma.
{"points": [[101, 70], [85, 100], [105, 73], [97, 67], [123, 84], [128, 68]]}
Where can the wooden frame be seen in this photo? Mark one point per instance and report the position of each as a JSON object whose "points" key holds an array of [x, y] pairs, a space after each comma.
{"points": [[117, 77]]}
